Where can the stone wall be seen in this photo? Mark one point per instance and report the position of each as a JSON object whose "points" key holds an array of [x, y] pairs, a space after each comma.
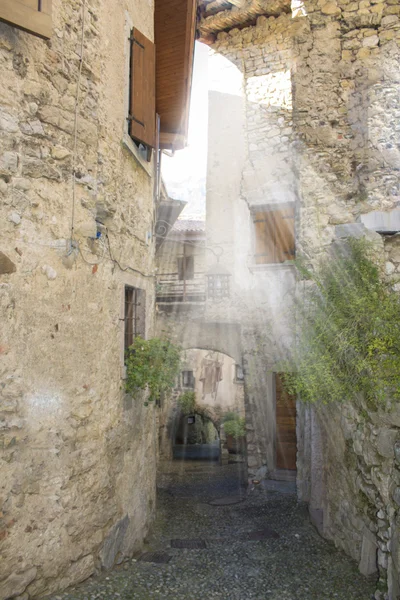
{"points": [[78, 459], [346, 98], [349, 469], [345, 107], [315, 105]]}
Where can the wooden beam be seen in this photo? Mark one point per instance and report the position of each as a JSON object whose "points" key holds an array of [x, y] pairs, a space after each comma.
{"points": [[172, 141], [22, 15], [223, 19]]}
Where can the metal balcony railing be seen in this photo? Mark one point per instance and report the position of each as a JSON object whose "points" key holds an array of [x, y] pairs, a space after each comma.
{"points": [[171, 289]]}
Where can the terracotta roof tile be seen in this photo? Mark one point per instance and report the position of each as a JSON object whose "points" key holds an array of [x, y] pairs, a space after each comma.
{"points": [[189, 225]]}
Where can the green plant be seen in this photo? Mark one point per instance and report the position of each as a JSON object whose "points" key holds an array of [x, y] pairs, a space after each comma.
{"points": [[187, 402], [234, 425], [152, 364], [348, 333]]}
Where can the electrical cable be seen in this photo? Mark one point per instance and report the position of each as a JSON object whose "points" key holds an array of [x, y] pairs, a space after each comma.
{"points": [[78, 89], [114, 260]]}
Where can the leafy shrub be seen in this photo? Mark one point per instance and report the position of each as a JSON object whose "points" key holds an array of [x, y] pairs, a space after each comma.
{"points": [[152, 364], [187, 402], [348, 333], [234, 425]]}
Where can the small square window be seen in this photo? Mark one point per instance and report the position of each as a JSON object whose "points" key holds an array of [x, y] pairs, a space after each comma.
{"points": [[239, 374], [187, 379]]}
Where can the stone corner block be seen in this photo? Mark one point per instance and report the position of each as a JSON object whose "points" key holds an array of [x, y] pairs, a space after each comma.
{"points": [[382, 221]]}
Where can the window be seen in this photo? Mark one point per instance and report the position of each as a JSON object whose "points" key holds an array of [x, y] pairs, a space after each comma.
{"points": [[239, 375], [142, 89], [187, 379], [185, 267], [135, 313], [274, 234], [33, 16]]}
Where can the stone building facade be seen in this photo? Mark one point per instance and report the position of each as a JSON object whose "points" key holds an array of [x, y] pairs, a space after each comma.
{"points": [[313, 97], [77, 211]]}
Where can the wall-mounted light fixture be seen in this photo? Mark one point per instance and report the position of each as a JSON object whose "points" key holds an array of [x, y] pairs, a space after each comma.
{"points": [[217, 278]]}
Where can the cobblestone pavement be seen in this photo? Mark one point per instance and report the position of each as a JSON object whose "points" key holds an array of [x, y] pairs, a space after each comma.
{"points": [[262, 547]]}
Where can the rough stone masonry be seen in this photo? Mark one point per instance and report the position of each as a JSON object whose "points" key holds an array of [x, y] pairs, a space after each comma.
{"points": [[77, 485], [316, 124]]}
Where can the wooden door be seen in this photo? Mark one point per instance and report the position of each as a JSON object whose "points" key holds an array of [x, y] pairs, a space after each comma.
{"points": [[286, 440]]}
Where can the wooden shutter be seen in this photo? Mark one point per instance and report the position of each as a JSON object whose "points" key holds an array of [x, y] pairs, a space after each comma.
{"points": [[265, 239], [189, 267], [142, 109], [185, 267], [274, 233], [181, 269], [33, 16], [284, 234], [286, 439]]}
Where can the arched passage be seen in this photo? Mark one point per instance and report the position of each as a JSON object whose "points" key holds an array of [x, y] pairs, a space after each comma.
{"points": [[209, 388], [196, 438]]}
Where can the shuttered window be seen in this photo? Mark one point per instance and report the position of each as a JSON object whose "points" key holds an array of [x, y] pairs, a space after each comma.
{"points": [[135, 315], [185, 267], [274, 235], [33, 16], [142, 101]]}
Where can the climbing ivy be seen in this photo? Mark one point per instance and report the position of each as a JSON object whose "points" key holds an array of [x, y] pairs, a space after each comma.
{"points": [[234, 425], [152, 364], [348, 332]]}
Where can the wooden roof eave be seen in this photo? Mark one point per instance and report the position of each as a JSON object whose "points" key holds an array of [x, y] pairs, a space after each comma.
{"points": [[175, 47]]}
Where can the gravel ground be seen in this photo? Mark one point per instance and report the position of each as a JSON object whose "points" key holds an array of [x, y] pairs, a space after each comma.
{"points": [[291, 563]]}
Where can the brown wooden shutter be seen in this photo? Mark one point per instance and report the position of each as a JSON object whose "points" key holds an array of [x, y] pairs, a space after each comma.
{"points": [[265, 245], [142, 110], [181, 270], [33, 16], [284, 234], [189, 267], [274, 233], [286, 439]]}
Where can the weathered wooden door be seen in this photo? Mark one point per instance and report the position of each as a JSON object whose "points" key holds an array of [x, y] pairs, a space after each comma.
{"points": [[286, 440]]}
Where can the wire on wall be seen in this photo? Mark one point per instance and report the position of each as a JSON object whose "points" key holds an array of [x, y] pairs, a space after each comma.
{"points": [[77, 98], [115, 261]]}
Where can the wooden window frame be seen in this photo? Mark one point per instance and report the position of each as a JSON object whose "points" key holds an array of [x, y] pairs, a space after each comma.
{"points": [[277, 246], [134, 298], [24, 15], [142, 93]]}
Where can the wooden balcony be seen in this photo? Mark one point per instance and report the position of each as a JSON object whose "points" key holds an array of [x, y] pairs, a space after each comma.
{"points": [[171, 289]]}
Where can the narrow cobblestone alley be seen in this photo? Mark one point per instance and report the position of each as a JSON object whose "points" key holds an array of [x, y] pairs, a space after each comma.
{"points": [[260, 546]]}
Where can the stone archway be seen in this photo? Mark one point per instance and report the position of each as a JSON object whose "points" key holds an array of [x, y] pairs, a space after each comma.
{"points": [[191, 332], [212, 377]]}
